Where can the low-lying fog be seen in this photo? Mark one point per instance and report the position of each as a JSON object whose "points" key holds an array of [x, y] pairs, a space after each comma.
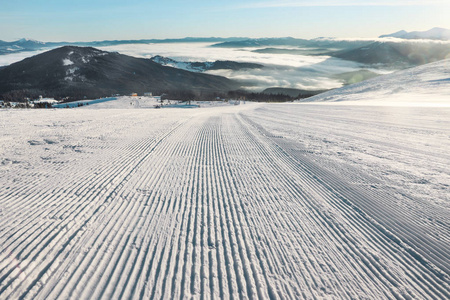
{"points": [[310, 72], [281, 70]]}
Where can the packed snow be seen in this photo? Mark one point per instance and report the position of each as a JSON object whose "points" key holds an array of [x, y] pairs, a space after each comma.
{"points": [[270, 201]]}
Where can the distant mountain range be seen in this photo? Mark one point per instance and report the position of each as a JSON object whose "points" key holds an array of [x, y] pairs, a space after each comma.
{"points": [[323, 44], [76, 72], [32, 45], [432, 34], [20, 45]]}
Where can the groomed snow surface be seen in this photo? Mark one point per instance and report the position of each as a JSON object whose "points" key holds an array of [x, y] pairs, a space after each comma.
{"points": [[250, 201]]}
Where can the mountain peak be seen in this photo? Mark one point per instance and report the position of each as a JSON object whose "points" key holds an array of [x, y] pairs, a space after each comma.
{"points": [[26, 40]]}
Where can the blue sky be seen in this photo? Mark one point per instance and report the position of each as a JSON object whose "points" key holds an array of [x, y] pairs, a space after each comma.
{"points": [[87, 20]]}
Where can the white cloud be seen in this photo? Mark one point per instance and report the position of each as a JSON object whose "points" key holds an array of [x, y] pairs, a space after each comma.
{"points": [[308, 77], [202, 52], [8, 59]]}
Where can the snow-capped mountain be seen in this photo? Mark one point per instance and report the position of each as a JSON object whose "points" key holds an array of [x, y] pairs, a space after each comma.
{"points": [[432, 34], [426, 85], [22, 45], [398, 34]]}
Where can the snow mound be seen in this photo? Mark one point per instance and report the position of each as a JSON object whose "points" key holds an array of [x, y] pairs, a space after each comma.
{"points": [[426, 85]]}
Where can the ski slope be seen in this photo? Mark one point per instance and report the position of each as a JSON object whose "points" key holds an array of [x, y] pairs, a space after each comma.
{"points": [[426, 85], [287, 201]]}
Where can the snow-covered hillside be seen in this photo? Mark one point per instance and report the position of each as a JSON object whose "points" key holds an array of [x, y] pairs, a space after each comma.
{"points": [[427, 85]]}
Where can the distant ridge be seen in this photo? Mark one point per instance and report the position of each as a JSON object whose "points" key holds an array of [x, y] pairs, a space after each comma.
{"points": [[398, 34], [289, 41], [432, 34], [32, 45]]}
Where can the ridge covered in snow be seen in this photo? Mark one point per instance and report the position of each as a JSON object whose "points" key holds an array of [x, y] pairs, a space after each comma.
{"points": [[426, 85], [435, 33]]}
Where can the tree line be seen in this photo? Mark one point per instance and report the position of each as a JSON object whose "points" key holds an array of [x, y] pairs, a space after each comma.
{"points": [[23, 95]]}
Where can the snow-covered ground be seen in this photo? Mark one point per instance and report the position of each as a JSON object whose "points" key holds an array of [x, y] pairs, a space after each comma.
{"points": [[426, 85], [270, 201]]}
